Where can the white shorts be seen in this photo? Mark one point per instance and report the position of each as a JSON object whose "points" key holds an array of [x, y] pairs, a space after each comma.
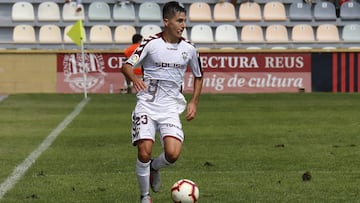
{"points": [[144, 127]]}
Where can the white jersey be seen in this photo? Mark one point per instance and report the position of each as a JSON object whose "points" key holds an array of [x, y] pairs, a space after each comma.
{"points": [[164, 66]]}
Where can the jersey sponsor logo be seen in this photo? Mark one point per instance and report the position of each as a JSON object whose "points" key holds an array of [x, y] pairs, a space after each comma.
{"points": [[167, 65]]}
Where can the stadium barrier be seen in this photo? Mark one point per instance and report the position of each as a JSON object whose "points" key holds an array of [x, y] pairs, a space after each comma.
{"points": [[225, 71]]}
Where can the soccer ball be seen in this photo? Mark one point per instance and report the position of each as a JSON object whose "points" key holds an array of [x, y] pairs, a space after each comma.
{"points": [[184, 191]]}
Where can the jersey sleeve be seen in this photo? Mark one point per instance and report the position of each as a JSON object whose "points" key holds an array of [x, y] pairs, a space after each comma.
{"points": [[139, 54], [195, 64]]}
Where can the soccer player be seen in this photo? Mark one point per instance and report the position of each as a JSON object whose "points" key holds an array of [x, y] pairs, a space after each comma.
{"points": [[164, 57]]}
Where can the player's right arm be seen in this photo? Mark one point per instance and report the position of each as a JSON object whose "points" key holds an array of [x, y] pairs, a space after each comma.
{"points": [[138, 83], [135, 60]]}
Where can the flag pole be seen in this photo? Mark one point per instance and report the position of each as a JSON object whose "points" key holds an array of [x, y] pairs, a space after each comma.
{"points": [[76, 33], [85, 69]]}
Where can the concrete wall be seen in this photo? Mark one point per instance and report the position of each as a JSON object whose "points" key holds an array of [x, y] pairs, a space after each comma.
{"points": [[27, 73]]}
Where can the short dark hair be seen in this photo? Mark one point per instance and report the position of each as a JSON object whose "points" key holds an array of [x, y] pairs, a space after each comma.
{"points": [[136, 38], [171, 8]]}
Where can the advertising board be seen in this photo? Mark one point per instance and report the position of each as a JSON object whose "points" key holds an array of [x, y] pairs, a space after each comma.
{"points": [[223, 73]]}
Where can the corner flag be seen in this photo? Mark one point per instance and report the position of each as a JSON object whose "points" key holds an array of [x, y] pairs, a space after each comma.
{"points": [[76, 33]]}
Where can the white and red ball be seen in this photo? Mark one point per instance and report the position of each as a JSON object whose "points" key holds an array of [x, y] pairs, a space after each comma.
{"points": [[184, 191]]}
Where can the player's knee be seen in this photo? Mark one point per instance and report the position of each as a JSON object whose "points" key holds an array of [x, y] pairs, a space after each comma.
{"points": [[144, 150], [144, 156], [172, 157], [172, 149]]}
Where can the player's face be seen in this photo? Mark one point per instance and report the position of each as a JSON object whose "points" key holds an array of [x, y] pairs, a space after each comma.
{"points": [[176, 25]]}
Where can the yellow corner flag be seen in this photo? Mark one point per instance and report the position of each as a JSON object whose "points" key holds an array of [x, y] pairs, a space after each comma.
{"points": [[76, 33]]}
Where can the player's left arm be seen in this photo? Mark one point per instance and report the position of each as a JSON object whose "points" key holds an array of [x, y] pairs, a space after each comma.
{"points": [[192, 106], [195, 66]]}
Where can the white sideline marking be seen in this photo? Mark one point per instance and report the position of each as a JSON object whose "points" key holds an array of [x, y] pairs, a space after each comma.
{"points": [[2, 97], [25, 165]]}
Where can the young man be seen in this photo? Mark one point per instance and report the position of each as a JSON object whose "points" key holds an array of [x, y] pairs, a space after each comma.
{"points": [[164, 58]]}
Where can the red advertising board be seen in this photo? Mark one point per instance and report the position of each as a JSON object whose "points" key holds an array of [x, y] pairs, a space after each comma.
{"points": [[254, 72], [104, 73], [223, 72]]}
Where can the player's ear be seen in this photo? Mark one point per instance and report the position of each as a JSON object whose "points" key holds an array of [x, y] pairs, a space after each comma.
{"points": [[166, 21]]}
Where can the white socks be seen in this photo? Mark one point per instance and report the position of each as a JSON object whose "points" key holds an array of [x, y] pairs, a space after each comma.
{"points": [[160, 162], [143, 172], [143, 175]]}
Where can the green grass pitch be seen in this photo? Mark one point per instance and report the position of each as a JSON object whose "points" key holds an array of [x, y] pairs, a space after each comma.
{"points": [[240, 148]]}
